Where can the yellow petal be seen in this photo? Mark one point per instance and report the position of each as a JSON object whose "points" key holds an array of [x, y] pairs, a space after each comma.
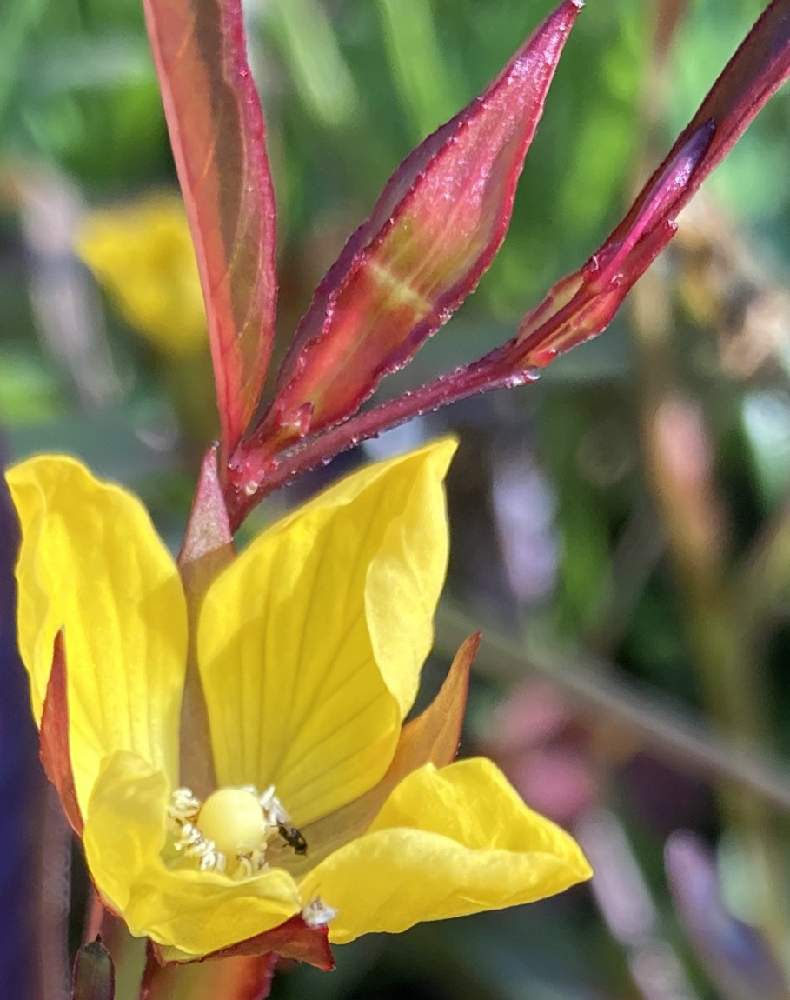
{"points": [[91, 563], [310, 644], [143, 255], [196, 912], [448, 842], [431, 737]]}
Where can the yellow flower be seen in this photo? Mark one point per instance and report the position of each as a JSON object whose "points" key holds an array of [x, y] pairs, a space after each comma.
{"points": [[309, 646], [143, 255]]}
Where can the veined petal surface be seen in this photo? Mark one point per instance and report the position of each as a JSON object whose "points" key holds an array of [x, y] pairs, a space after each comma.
{"points": [[310, 644], [197, 912], [91, 563], [448, 842], [431, 737]]}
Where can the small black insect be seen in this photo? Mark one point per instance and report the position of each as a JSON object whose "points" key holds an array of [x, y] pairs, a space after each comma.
{"points": [[293, 838]]}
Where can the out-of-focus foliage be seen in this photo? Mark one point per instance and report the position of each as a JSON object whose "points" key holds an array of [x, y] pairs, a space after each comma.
{"points": [[575, 503]]}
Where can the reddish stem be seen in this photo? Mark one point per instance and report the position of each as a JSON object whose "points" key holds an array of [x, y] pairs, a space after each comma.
{"points": [[244, 493]]}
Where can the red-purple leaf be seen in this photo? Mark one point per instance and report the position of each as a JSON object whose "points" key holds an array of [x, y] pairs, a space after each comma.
{"points": [[584, 304], [217, 133], [54, 737], [432, 234]]}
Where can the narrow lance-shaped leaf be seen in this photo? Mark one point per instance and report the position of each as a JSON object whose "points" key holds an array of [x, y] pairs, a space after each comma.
{"points": [[217, 133], [583, 304], [432, 234]]}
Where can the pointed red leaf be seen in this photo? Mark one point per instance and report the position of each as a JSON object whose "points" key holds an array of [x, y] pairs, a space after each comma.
{"points": [[54, 737], [583, 305], [432, 234], [217, 133]]}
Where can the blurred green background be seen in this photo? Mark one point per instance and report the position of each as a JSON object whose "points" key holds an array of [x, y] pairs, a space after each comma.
{"points": [[621, 529]]}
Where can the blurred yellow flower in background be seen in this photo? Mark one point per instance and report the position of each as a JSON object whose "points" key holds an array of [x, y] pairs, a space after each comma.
{"points": [[142, 255]]}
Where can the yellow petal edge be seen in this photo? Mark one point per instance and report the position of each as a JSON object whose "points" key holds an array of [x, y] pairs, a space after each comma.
{"points": [[197, 912], [90, 562], [311, 642], [448, 842]]}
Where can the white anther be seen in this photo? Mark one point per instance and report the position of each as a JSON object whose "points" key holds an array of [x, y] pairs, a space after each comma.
{"points": [[212, 860], [274, 811], [184, 805], [189, 837], [265, 798], [250, 863], [317, 913], [187, 814], [198, 848]]}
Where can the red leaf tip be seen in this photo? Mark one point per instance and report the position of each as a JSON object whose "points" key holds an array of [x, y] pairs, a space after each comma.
{"points": [[431, 236]]}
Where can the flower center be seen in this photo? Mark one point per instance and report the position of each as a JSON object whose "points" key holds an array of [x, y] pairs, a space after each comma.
{"points": [[230, 831], [233, 819]]}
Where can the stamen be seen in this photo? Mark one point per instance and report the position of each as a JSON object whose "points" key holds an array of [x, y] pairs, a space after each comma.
{"points": [[230, 831], [190, 835], [317, 913], [212, 860], [272, 807], [184, 805], [251, 863]]}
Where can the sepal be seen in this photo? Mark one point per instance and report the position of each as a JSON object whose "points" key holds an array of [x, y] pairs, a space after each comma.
{"points": [[54, 737], [294, 939]]}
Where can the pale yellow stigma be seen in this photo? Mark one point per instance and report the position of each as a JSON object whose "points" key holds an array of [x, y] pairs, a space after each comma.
{"points": [[230, 831], [233, 820]]}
